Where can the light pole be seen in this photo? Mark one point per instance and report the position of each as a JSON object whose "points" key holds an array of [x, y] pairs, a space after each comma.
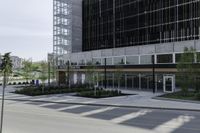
{"points": [[105, 73], [2, 104], [153, 73], [49, 71], [68, 75]]}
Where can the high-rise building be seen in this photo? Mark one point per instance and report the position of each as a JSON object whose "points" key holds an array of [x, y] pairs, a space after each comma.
{"points": [[133, 37]]}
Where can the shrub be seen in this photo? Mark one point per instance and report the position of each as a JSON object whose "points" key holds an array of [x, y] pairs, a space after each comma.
{"points": [[100, 93], [197, 96]]}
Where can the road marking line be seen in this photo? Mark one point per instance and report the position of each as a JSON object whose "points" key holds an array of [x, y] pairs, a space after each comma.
{"points": [[173, 124], [74, 106], [130, 116], [48, 104], [97, 111], [12, 96], [39, 99], [24, 97]]}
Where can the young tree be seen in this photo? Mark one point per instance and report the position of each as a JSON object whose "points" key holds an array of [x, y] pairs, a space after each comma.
{"points": [[69, 70], [43, 73], [118, 76], [186, 70], [90, 69], [6, 69], [29, 70]]}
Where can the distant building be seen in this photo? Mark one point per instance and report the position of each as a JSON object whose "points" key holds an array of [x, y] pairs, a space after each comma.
{"points": [[17, 62]]}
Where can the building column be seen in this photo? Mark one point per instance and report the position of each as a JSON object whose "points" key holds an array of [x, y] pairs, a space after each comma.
{"points": [[113, 80], [156, 82], [125, 81], [140, 82]]}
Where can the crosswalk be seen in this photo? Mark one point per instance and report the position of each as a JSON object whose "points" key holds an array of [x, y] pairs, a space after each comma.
{"points": [[130, 116], [97, 111], [114, 115], [172, 125], [75, 106], [48, 104]]}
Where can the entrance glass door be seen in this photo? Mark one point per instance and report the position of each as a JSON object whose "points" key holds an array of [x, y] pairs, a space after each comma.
{"points": [[169, 84]]}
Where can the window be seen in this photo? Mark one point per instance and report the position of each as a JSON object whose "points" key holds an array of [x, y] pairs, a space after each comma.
{"points": [[96, 61], [198, 56], [108, 61], [166, 58], [132, 60], [146, 59], [119, 61], [178, 58]]}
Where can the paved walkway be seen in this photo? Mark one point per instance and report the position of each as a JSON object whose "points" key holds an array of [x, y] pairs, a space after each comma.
{"points": [[140, 99]]}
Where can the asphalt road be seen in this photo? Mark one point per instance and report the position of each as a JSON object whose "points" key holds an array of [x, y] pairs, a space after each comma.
{"points": [[37, 117]]}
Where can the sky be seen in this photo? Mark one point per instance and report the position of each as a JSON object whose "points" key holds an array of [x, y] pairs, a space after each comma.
{"points": [[26, 28]]}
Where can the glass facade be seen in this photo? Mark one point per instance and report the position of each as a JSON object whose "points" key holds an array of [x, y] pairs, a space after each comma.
{"points": [[132, 60], [165, 58], [120, 23]]}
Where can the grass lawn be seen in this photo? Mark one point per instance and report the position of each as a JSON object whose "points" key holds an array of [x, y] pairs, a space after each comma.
{"points": [[191, 95]]}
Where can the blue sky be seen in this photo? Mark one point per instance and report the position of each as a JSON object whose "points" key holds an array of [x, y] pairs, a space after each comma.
{"points": [[26, 28]]}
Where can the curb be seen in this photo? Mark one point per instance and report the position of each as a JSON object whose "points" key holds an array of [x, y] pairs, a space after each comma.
{"points": [[111, 105], [176, 100]]}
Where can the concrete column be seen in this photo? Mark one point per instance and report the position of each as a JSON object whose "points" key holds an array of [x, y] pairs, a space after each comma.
{"points": [[125, 81], [156, 81], [113, 79], [140, 81]]}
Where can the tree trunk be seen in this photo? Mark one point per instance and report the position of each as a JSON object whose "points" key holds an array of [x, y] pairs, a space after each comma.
{"points": [[2, 105]]}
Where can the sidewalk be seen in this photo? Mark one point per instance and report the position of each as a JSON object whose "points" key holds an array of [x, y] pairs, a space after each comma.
{"points": [[141, 99]]}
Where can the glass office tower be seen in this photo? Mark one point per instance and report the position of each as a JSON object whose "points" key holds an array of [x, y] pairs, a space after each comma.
{"points": [[130, 35], [120, 23]]}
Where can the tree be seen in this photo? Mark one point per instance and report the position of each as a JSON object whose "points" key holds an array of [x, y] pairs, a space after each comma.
{"points": [[186, 70], [90, 69], [118, 76], [29, 70], [43, 73], [69, 70], [6, 69]]}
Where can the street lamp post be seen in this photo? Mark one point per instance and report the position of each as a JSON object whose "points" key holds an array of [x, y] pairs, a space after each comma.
{"points": [[68, 75], [49, 73], [105, 73], [153, 73]]}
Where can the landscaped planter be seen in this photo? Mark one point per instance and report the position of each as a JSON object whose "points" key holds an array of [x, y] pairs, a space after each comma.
{"points": [[100, 93]]}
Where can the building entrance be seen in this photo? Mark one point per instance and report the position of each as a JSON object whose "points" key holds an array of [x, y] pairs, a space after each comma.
{"points": [[169, 83]]}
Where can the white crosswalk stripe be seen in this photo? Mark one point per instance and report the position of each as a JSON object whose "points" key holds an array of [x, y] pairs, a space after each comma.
{"points": [[130, 116], [40, 99], [24, 97], [48, 104], [173, 124], [12, 96], [75, 106], [97, 111]]}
